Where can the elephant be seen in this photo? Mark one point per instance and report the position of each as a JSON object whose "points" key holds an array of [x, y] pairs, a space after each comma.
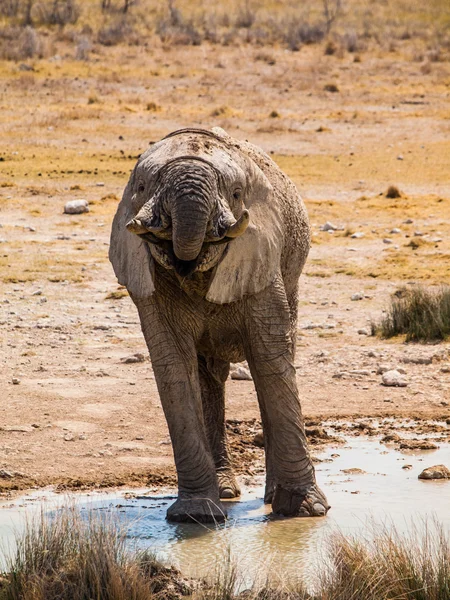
{"points": [[210, 239]]}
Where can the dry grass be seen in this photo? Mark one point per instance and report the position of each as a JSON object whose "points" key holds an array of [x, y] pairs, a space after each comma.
{"points": [[68, 557], [422, 315]]}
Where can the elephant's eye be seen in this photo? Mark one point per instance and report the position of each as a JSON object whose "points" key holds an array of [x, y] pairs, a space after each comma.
{"points": [[237, 194], [141, 187]]}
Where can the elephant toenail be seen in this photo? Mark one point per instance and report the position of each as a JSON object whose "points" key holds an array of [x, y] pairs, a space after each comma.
{"points": [[318, 509]]}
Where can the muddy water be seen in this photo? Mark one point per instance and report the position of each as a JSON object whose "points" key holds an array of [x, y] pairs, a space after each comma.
{"points": [[385, 492]]}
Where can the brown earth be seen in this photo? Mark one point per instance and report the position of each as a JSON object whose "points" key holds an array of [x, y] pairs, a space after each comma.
{"points": [[78, 415]]}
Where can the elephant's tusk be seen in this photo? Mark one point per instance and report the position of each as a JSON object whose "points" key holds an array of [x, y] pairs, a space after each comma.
{"points": [[135, 226], [240, 226]]}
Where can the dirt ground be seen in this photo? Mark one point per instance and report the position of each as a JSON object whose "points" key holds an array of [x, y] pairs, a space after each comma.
{"points": [[72, 412]]}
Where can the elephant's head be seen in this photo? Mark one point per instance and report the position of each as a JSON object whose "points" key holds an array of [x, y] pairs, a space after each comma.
{"points": [[195, 201], [189, 215]]}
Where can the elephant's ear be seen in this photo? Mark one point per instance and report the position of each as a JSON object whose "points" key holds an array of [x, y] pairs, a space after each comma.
{"points": [[252, 261], [129, 255]]}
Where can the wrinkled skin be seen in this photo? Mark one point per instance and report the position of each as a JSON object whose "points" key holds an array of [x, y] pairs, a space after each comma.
{"points": [[210, 239]]}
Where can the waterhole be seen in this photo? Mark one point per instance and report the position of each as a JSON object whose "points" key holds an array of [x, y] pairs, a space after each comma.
{"points": [[377, 489]]}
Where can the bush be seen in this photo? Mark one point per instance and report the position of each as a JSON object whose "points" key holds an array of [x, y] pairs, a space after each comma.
{"points": [[422, 315]]}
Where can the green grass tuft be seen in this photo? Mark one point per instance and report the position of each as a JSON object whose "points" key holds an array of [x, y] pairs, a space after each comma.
{"points": [[420, 314]]}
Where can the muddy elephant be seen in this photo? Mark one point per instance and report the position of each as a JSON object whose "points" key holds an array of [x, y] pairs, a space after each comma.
{"points": [[210, 239]]}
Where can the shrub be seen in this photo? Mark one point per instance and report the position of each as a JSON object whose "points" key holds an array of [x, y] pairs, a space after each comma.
{"points": [[420, 314], [393, 192]]}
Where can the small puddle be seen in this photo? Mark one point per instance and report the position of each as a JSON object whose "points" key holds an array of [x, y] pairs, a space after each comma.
{"points": [[260, 544]]}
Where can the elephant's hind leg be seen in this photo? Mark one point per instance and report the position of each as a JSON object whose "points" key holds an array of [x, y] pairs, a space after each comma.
{"points": [[213, 374]]}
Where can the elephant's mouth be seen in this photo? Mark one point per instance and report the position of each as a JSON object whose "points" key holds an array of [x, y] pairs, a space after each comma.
{"points": [[162, 251]]}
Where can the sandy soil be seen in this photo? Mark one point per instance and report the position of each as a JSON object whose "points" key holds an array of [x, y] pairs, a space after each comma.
{"points": [[79, 415]]}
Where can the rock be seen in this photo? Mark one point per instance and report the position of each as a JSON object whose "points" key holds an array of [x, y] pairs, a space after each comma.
{"points": [[436, 472], [393, 379], [387, 241], [317, 432], [69, 437], [417, 360], [390, 437], [364, 372], [4, 474], [258, 439], [357, 235], [76, 207], [395, 230], [17, 428], [15, 380], [418, 445], [445, 369], [408, 222], [328, 227], [240, 373], [400, 157], [363, 332], [353, 471], [407, 467], [357, 296], [135, 358], [382, 368]]}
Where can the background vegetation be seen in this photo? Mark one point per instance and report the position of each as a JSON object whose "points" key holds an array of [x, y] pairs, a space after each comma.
{"points": [[30, 27]]}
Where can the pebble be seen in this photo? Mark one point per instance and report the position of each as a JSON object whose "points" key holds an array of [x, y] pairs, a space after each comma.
{"points": [[76, 207], [436, 472], [258, 439], [240, 373], [69, 437], [407, 467], [387, 241], [353, 471], [135, 358], [357, 235], [445, 369], [363, 332], [393, 379], [395, 230], [328, 227], [357, 296], [400, 157], [15, 380]]}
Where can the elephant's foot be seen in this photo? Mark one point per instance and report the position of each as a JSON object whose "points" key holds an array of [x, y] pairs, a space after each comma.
{"points": [[228, 486], [196, 510], [308, 502]]}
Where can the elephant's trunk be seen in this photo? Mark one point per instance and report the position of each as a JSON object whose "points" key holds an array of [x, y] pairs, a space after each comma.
{"points": [[190, 217]]}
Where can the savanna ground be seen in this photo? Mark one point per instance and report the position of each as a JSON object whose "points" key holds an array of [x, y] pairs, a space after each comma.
{"points": [[364, 107]]}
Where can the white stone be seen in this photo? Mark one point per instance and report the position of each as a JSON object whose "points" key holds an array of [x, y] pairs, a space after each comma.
{"points": [[357, 235], [357, 296], [239, 372], [393, 379], [328, 227], [76, 207]]}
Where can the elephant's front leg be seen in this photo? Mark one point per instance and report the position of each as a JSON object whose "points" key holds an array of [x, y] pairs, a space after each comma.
{"points": [[174, 361], [213, 374], [269, 354]]}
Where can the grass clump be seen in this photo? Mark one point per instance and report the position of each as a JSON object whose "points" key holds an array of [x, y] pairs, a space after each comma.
{"points": [[71, 557], [423, 315], [68, 557]]}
